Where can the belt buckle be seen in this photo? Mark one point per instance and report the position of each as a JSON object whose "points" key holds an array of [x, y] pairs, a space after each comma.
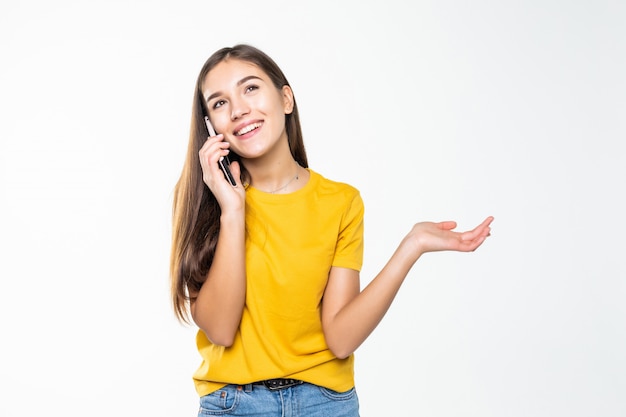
{"points": [[280, 383]]}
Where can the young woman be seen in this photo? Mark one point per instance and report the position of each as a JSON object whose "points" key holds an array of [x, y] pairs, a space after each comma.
{"points": [[268, 269]]}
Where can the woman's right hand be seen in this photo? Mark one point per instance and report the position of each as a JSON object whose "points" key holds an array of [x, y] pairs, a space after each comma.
{"points": [[228, 197]]}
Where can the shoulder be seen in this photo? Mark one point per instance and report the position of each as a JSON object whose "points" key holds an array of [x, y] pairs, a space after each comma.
{"points": [[328, 187]]}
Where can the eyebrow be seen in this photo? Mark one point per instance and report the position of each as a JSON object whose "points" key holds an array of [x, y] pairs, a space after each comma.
{"points": [[240, 82]]}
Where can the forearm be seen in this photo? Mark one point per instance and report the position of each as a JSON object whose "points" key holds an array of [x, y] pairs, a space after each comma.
{"points": [[356, 321], [219, 305]]}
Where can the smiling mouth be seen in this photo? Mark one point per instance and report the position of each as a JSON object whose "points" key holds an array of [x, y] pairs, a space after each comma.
{"points": [[248, 129]]}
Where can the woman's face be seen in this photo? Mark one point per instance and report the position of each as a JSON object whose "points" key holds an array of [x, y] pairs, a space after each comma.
{"points": [[246, 107]]}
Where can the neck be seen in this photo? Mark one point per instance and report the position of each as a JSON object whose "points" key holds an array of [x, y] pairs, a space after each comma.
{"points": [[277, 178]]}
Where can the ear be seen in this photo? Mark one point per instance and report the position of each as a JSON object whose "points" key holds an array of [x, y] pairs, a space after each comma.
{"points": [[288, 101]]}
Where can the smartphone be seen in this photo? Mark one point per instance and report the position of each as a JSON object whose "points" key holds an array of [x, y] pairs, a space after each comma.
{"points": [[224, 162]]}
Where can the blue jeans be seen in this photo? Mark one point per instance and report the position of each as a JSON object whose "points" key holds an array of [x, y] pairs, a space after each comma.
{"points": [[305, 400]]}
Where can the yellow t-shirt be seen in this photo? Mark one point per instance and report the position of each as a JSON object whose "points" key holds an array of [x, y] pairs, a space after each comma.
{"points": [[292, 240]]}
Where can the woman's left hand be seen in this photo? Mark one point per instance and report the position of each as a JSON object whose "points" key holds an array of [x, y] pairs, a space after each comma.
{"points": [[434, 237]]}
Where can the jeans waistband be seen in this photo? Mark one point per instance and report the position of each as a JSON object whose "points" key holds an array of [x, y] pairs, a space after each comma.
{"points": [[279, 383]]}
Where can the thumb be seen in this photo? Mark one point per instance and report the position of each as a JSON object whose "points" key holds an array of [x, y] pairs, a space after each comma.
{"points": [[447, 225]]}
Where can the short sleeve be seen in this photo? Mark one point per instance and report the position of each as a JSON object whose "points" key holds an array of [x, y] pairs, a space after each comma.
{"points": [[349, 249]]}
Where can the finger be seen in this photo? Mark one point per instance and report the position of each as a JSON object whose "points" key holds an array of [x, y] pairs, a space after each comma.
{"points": [[480, 230], [485, 223], [235, 169], [215, 141], [476, 243], [213, 149], [447, 225]]}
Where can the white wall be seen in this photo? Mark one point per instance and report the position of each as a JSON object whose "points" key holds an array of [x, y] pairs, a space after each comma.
{"points": [[434, 110]]}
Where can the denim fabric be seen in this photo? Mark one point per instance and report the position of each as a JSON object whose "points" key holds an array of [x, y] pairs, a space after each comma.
{"points": [[304, 400]]}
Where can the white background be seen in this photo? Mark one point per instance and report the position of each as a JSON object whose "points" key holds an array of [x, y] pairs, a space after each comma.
{"points": [[435, 110]]}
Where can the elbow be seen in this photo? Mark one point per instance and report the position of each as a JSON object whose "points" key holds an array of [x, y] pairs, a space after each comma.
{"points": [[338, 349], [341, 354], [224, 341], [340, 343], [218, 335], [220, 338]]}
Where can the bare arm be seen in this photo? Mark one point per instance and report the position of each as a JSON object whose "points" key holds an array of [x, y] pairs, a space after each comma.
{"points": [[349, 316], [218, 306]]}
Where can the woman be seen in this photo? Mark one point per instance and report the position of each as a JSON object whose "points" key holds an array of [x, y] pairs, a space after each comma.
{"points": [[268, 269]]}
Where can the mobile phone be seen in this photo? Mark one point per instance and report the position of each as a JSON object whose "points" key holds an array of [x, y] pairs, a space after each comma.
{"points": [[224, 162]]}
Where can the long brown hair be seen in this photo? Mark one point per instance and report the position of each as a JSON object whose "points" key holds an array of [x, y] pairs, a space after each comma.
{"points": [[196, 213]]}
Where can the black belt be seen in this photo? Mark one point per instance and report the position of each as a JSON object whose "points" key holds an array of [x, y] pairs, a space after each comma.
{"points": [[279, 383]]}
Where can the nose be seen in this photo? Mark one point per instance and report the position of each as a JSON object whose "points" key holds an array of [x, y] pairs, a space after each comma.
{"points": [[239, 108]]}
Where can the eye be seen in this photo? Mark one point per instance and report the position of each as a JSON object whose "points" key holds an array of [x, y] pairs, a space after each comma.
{"points": [[218, 104], [252, 87]]}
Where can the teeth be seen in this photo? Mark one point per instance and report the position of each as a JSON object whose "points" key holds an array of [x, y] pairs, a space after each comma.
{"points": [[248, 128]]}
